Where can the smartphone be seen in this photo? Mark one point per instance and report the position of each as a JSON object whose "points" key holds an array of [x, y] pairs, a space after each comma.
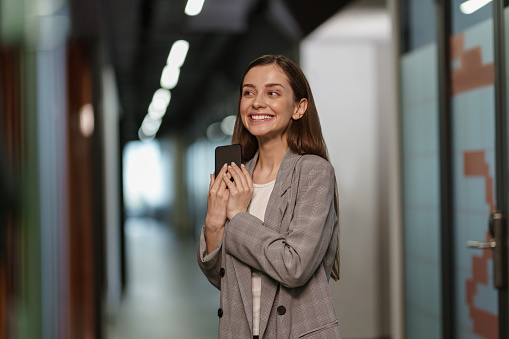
{"points": [[227, 154]]}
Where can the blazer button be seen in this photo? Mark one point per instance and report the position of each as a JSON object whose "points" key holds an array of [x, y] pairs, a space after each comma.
{"points": [[220, 312], [221, 272], [281, 310]]}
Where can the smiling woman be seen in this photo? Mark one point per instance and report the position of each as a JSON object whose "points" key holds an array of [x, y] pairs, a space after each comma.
{"points": [[272, 232]]}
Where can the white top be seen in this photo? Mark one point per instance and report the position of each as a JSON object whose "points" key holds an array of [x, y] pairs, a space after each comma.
{"points": [[257, 208]]}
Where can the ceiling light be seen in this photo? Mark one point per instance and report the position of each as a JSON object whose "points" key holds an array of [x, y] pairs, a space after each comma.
{"points": [[194, 7], [178, 53], [155, 112], [150, 126], [170, 77], [143, 137], [471, 6], [158, 104], [162, 94]]}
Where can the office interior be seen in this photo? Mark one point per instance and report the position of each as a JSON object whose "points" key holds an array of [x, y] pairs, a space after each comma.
{"points": [[110, 111]]}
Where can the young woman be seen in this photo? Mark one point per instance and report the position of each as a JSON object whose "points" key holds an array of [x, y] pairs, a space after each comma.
{"points": [[270, 240]]}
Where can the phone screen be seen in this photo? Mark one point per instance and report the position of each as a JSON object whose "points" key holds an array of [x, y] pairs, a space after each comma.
{"points": [[228, 154]]}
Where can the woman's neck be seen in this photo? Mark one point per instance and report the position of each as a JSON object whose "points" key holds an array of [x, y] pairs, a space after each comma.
{"points": [[270, 156]]}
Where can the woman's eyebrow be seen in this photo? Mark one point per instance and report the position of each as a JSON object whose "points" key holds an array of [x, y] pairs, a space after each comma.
{"points": [[266, 85], [274, 85]]}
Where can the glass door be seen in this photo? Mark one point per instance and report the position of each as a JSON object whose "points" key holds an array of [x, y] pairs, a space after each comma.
{"points": [[453, 90], [478, 184]]}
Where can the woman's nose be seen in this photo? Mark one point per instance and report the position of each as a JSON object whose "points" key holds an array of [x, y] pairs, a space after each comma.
{"points": [[259, 101]]}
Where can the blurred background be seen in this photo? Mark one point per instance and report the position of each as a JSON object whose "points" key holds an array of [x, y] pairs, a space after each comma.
{"points": [[110, 111]]}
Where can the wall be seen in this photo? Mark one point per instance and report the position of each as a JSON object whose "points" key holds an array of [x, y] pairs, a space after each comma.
{"points": [[110, 136], [347, 62]]}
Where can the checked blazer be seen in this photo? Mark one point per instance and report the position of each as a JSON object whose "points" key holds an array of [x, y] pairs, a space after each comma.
{"points": [[294, 248]]}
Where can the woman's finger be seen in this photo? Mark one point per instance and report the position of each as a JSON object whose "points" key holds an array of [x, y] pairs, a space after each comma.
{"points": [[222, 189], [212, 179], [219, 175], [239, 176], [248, 177], [230, 184]]}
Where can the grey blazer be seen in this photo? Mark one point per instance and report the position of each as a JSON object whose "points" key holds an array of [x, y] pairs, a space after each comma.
{"points": [[294, 248]]}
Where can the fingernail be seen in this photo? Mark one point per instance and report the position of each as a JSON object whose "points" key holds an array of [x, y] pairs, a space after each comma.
{"points": [[242, 165], [233, 164], [225, 164]]}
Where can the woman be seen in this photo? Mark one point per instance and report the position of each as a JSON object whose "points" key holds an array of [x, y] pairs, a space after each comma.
{"points": [[270, 238]]}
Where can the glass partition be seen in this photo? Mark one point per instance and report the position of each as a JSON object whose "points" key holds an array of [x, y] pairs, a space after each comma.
{"points": [[420, 161]]}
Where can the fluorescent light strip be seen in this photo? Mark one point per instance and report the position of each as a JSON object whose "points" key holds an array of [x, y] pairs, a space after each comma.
{"points": [[170, 77], [143, 137], [156, 112], [162, 94], [471, 6], [150, 126], [178, 53], [194, 7], [176, 58], [158, 105]]}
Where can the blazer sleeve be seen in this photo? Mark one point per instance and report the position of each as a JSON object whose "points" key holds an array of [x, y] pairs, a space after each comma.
{"points": [[210, 264], [292, 258]]}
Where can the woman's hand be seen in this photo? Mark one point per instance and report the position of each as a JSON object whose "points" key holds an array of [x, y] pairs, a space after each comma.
{"points": [[216, 210], [241, 189]]}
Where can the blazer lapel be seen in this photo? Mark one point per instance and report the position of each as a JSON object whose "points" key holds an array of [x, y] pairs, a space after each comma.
{"points": [[285, 173], [284, 176], [250, 165]]}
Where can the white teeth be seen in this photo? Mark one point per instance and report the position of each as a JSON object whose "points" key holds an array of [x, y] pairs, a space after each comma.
{"points": [[260, 117]]}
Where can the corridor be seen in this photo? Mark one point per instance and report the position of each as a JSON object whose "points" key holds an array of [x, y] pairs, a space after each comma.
{"points": [[167, 295], [113, 108]]}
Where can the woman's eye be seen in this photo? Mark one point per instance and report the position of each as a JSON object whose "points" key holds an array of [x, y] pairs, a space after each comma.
{"points": [[272, 93], [247, 93]]}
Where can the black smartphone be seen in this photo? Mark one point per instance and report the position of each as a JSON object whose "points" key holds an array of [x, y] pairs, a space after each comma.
{"points": [[226, 155]]}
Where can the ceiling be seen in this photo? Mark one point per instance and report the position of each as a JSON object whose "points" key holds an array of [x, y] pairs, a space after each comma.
{"points": [[138, 34]]}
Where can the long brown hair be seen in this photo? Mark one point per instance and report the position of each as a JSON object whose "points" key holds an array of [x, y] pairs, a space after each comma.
{"points": [[304, 136]]}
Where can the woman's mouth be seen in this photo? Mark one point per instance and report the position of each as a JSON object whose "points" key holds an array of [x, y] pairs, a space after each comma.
{"points": [[260, 117]]}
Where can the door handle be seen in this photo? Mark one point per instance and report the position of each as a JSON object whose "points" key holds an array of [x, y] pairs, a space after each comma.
{"points": [[483, 245], [498, 230]]}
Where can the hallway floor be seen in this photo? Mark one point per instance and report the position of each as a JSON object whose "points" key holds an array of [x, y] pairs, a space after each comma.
{"points": [[167, 295]]}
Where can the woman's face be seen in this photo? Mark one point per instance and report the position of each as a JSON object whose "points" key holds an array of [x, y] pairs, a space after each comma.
{"points": [[267, 103]]}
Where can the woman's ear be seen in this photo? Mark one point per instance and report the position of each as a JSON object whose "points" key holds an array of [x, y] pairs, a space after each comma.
{"points": [[300, 109]]}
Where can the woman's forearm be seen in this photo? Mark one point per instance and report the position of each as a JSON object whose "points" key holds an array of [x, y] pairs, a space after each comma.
{"points": [[213, 236]]}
